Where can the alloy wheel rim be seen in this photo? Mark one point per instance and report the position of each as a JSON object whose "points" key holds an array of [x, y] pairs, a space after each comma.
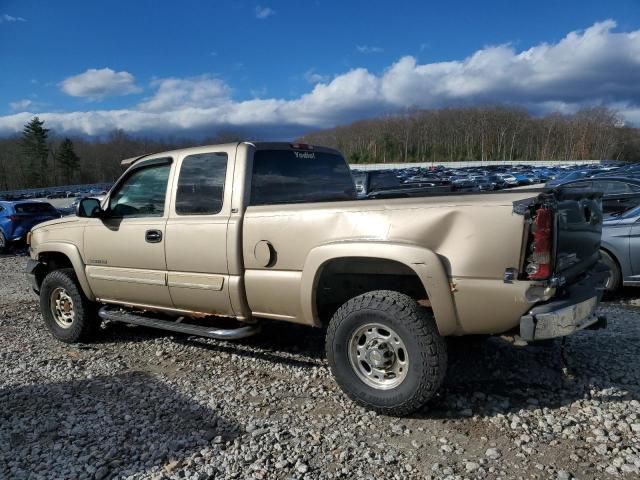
{"points": [[61, 305], [378, 356]]}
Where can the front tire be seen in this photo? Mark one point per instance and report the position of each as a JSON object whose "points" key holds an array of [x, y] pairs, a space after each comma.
{"points": [[68, 314], [385, 352]]}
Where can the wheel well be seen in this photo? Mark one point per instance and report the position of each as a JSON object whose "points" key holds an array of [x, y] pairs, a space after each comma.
{"points": [[613, 257], [344, 278], [51, 261]]}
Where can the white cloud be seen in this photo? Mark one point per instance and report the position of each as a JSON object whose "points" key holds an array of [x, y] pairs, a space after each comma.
{"points": [[21, 104], [264, 12], [96, 84], [5, 18], [312, 77], [369, 49], [594, 66], [197, 92]]}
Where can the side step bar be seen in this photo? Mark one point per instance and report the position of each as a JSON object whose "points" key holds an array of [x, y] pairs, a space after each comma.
{"points": [[118, 315]]}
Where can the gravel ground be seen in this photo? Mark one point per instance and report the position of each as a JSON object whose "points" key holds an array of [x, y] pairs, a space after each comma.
{"points": [[146, 404]]}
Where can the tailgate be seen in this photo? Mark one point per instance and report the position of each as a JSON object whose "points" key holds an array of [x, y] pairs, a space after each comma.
{"points": [[578, 231]]}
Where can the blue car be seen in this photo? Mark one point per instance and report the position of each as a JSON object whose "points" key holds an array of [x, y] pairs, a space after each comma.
{"points": [[17, 218]]}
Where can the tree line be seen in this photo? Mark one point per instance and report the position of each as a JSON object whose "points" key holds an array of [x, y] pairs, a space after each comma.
{"points": [[484, 133], [39, 158]]}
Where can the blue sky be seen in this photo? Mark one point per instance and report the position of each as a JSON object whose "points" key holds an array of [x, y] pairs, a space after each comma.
{"points": [[280, 68]]}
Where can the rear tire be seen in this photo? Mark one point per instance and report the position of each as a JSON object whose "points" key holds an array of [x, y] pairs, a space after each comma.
{"points": [[68, 314], [615, 275], [385, 352], [3, 243]]}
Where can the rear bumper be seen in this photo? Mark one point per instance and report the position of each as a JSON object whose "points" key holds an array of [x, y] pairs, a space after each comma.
{"points": [[575, 311]]}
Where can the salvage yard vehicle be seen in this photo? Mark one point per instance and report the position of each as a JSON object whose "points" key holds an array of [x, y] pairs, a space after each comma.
{"points": [[621, 248], [619, 193], [253, 231], [17, 218]]}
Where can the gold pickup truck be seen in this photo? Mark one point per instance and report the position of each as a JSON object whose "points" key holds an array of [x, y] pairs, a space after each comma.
{"points": [[252, 231]]}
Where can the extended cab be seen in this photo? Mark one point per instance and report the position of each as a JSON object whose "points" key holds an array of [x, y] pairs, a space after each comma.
{"points": [[253, 231]]}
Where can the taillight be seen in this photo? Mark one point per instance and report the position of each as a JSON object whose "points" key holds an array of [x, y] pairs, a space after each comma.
{"points": [[13, 218], [539, 261]]}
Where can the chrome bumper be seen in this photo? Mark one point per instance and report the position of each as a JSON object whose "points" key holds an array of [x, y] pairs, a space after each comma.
{"points": [[559, 323], [575, 311]]}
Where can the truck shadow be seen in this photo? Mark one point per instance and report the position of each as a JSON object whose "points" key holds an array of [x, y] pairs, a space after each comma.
{"points": [[122, 425], [486, 376], [491, 377]]}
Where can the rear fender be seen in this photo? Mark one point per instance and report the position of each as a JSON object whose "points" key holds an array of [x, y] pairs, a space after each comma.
{"points": [[425, 263]]}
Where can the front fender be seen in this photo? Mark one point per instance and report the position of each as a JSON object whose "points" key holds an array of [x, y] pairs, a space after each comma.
{"points": [[73, 254], [424, 262]]}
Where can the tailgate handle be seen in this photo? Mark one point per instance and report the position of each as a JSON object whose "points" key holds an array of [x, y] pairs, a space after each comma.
{"points": [[153, 236]]}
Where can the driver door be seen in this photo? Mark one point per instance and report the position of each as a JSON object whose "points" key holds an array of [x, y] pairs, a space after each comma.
{"points": [[124, 251]]}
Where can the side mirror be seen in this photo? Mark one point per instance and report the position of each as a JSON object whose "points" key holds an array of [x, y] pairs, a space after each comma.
{"points": [[89, 208]]}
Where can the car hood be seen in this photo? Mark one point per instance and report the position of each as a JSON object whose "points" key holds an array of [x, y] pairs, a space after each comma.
{"points": [[54, 223]]}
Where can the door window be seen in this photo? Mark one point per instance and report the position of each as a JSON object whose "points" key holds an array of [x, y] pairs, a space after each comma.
{"points": [[142, 193], [612, 187], [201, 184], [577, 185]]}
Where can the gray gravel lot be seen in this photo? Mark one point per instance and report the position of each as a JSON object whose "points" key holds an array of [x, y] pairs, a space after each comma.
{"points": [[139, 403]]}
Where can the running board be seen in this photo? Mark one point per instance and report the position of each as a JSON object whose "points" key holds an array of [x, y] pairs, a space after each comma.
{"points": [[118, 315]]}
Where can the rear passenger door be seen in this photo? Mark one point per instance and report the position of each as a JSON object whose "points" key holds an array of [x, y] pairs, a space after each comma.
{"points": [[196, 232]]}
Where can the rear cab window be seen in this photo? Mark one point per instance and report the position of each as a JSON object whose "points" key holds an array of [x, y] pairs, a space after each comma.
{"points": [[298, 176]]}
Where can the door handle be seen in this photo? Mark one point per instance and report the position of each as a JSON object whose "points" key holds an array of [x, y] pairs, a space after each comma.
{"points": [[153, 236]]}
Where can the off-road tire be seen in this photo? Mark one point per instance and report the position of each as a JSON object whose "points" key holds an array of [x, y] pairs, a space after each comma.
{"points": [[425, 347], [85, 322], [615, 276]]}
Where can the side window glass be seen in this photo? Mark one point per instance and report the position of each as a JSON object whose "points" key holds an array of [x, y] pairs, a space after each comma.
{"points": [[201, 184], [612, 187], [142, 194], [577, 185]]}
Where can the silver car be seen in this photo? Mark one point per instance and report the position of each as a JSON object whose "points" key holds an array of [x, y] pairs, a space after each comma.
{"points": [[620, 248]]}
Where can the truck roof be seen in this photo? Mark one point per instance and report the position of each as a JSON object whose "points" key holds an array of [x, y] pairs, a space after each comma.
{"points": [[258, 145]]}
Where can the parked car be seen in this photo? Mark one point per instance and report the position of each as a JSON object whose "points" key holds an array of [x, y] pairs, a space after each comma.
{"points": [[523, 179], [17, 218], [620, 248], [273, 231], [464, 184], [619, 193], [509, 180], [484, 183]]}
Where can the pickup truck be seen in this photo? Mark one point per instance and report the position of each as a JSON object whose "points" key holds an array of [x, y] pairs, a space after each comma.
{"points": [[215, 240]]}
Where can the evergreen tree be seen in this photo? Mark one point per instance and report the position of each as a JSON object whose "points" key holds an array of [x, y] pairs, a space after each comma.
{"points": [[68, 161], [35, 150]]}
